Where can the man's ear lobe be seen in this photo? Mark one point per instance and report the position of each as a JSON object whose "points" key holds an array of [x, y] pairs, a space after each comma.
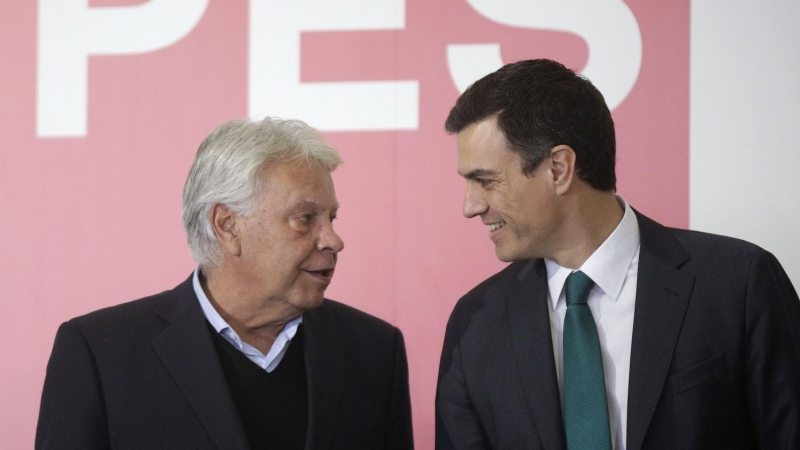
{"points": [[225, 224], [562, 159]]}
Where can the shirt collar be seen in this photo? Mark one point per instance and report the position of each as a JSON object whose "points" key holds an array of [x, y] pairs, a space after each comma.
{"points": [[608, 265], [209, 311]]}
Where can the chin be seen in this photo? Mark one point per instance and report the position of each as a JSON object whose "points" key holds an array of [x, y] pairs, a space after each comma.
{"points": [[314, 303], [503, 256], [511, 255]]}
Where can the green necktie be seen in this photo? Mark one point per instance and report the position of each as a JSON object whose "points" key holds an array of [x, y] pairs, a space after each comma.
{"points": [[585, 406]]}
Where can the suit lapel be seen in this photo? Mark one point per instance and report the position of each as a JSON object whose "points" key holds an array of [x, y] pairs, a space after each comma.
{"points": [[532, 345], [324, 352], [188, 353], [662, 295]]}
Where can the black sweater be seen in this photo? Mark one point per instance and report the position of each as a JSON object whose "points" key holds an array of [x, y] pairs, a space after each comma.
{"points": [[273, 406]]}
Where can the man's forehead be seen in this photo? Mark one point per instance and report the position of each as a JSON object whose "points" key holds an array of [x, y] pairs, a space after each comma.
{"points": [[292, 186], [482, 130], [480, 135], [486, 160]]}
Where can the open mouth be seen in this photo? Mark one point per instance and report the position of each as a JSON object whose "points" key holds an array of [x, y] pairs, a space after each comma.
{"points": [[496, 226], [325, 273]]}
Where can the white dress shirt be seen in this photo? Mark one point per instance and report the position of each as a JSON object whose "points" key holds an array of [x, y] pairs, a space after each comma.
{"points": [[267, 362], [614, 268]]}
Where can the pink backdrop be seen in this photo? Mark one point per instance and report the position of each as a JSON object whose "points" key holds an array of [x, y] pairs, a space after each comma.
{"points": [[94, 220]]}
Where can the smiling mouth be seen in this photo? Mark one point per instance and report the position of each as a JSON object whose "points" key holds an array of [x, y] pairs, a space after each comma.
{"points": [[496, 226]]}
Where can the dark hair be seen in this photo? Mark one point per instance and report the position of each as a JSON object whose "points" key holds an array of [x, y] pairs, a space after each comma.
{"points": [[540, 104]]}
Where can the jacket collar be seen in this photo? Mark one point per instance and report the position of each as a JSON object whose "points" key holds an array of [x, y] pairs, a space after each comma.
{"points": [[662, 296], [325, 373], [186, 350], [532, 345]]}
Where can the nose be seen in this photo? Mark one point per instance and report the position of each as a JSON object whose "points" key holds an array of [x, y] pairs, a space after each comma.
{"points": [[329, 240], [474, 203]]}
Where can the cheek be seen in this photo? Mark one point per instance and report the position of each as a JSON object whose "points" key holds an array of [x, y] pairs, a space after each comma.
{"points": [[530, 216], [516, 206], [275, 256], [502, 202], [301, 250]]}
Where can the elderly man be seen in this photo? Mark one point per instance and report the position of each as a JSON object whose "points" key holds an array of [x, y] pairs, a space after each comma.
{"points": [[246, 353], [608, 330]]}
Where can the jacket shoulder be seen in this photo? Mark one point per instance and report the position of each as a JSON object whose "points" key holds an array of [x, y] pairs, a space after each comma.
{"points": [[696, 240], [696, 249], [136, 320], [123, 313], [490, 288], [349, 317], [363, 338], [166, 305]]}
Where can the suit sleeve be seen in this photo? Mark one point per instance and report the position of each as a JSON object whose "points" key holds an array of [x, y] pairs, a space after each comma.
{"points": [[400, 435], [773, 354], [72, 413], [457, 423]]}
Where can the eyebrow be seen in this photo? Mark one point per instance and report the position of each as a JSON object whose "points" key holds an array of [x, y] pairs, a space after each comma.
{"points": [[478, 173], [310, 202]]}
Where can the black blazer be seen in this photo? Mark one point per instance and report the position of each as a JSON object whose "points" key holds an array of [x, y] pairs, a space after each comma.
{"points": [[715, 355], [145, 375]]}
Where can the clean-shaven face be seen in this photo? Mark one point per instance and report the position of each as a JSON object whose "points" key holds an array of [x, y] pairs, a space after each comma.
{"points": [[289, 247], [518, 210]]}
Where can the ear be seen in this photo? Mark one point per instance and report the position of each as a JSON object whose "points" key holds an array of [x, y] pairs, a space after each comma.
{"points": [[562, 160], [225, 223]]}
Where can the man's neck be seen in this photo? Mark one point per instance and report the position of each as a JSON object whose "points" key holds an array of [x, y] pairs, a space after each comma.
{"points": [[256, 322], [592, 217]]}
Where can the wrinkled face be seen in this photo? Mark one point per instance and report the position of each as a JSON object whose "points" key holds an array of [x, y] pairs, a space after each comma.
{"points": [[288, 244], [519, 211]]}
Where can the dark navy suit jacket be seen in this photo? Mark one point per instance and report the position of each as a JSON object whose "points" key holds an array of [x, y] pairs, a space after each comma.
{"points": [[715, 355], [145, 375]]}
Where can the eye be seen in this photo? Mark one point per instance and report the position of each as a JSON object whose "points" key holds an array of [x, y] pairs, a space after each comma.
{"points": [[482, 182], [305, 218]]}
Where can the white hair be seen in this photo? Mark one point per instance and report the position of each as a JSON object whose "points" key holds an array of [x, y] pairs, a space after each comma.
{"points": [[226, 171]]}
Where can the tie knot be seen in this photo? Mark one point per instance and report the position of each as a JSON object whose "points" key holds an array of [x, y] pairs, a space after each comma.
{"points": [[578, 287]]}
